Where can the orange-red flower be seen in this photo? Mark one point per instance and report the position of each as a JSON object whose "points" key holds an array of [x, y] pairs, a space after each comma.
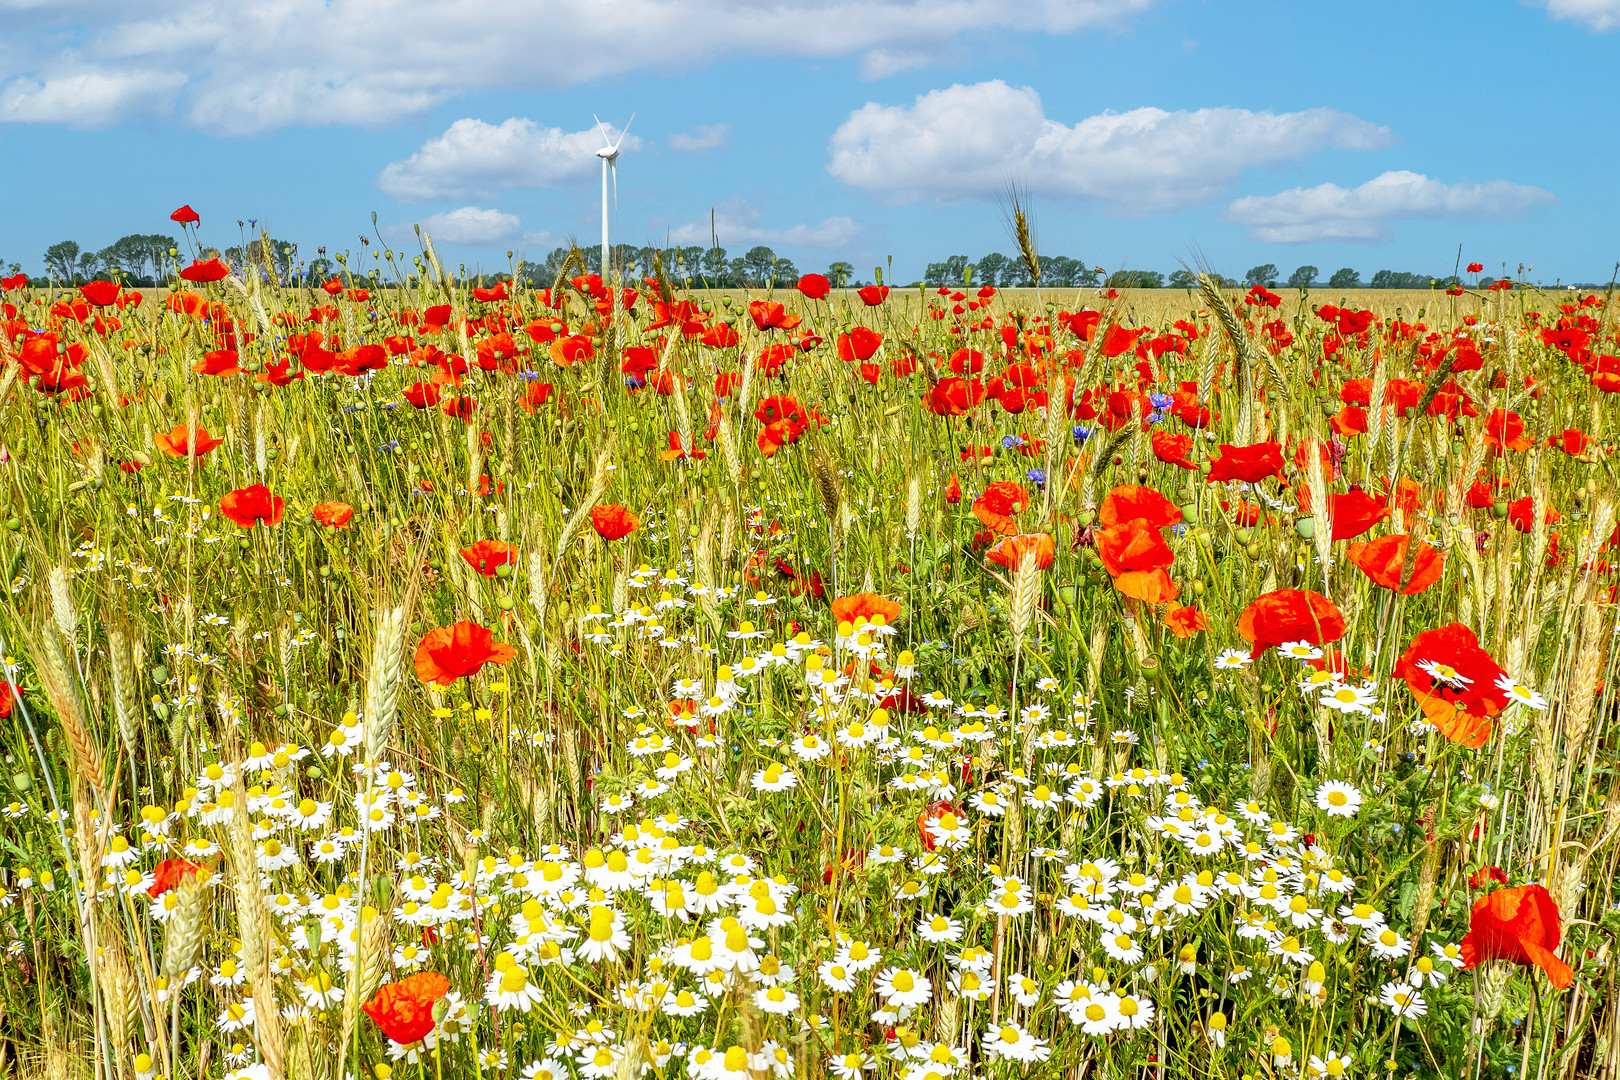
{"points": [[1290, 615], [1184, 620], [614, 522], [1130, 501], [206, 270], [177, 443], [1504, 430], [1384, 561], [1000, 501], [251, 506], [185, 215], [1354, 512], [1454, 681], [846, 609], [100, 293], [169, 874], [403, 1010], [448, 653], [1250, 464], [1520, 926], [814, 286], [335, 515], [487, 556], [1012, 551]]}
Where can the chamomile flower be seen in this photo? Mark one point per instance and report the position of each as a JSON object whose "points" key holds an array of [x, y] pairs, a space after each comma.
{"points": [[1338, 799], [1520, 694]]}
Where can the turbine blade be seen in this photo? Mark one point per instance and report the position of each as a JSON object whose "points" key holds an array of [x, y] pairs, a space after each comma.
{"points": [[607, 140], [625, 132]]}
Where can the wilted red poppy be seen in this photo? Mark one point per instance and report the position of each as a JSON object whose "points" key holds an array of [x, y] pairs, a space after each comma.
{"points": [[1520, 926], [251, 506], [403, 1010], [336, 515], [1454, 681], [1184, 620], [866, 605], [1290, 615], [1012, 551], [169, 874], [100, 293], [1000, 501], [177, 443], [614, 522], [1250, 464], [205, 270], [1131, 501], [487, 556], [1354, 512], [449, 653], [185, 215], [1384, 561]]}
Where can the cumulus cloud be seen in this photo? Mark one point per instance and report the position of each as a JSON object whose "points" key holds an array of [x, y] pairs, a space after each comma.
{"points": [[242, 68], [737, 223], [88, 98], [473, 159], [1364, 213], [701, 139], [468, 226], [1600, 15], [967, 142]]}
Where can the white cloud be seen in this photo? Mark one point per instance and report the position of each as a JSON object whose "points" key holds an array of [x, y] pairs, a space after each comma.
{"points": [[1330, 212], [970, 141], [736, 223], [701, 139], [469, 226], [1600, 15], [473, 159], [88, 98], [241, 68]]}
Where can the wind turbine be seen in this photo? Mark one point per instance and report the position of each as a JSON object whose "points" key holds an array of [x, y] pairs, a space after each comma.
{"points": [[610, 163]]}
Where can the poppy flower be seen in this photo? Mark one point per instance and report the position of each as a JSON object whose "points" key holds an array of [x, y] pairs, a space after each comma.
{"points": [[487, 556], [1118, 340], [448, 653], [335, 515], [846, 609], [1354, 512], [1184, 620], [100, 293], [953, 491], [571, 350], [814, 286], [873, 295], [1454, 681], [1384, 561], [614, 522], [1572, 441], [169, 874], [218, 362], [1012, 551], [954, 397], [1173, 449], [423, 395], [1132, 545], [1290, 615], [1000, 501], [177, 443], [1521, 512], [859, 344], [205, 270], [403, 1010], [1520, 926], [1504, 430], [1474, 268], [251, 506], [185, 215], [1131, 501], [1250, 464]]}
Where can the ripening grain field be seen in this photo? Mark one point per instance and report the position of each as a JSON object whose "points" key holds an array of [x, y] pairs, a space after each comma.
{"points": [[609, 681]]}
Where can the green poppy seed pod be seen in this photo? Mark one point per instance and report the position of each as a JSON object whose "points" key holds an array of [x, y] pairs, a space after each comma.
{"points": [[441, 1009], [1084, 518], [1305, 527], [22, 782], [1189, 510], [1205, 467]]}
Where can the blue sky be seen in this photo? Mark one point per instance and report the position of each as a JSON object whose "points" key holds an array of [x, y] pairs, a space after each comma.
{"points": [[1375, 135]]}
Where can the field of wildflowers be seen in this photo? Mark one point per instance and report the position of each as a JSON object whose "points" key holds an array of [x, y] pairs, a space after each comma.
{"points": [[412, 677]]}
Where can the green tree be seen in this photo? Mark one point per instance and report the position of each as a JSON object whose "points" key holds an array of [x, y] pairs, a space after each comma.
{"points": [[1182, 279], [950, 272], [1264, 274], [1399, 279], [840, 274], [1346, 278], [62, 259], [757, 266], [713, 268], [992, 270], [1303, 277], [1062, 272], [1136, 279]]}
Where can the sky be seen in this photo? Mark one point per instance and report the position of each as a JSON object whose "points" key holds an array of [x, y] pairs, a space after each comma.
{"points": [[1145, 133]]}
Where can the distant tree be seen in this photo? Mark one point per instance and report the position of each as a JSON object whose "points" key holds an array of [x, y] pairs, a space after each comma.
{"points": [[1399, 279], [991, 270], [1014, 274], [713, 269], [950, 272], [1182, 279], [758, 267], [784, 273], [1303, 277], [1347, 278], [1062, 272], [841, 274], [62, 259], [142, 255], [1264, 274], [1136, 279]]}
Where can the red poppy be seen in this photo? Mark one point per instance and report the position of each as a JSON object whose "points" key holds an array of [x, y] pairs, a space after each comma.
{"points": [[953, 491], [568, 351], [449, 653], [403, 1010], [1132, 545], [204, 271], [954, 397], [614, 522], [846, 609], [1384, 561], [1185, 620], [487, 556], [536, 395], [814, 286], [1572, 441], [1290, 615], [1012, 551], [1504, 430], [251, 506], [1173, 449], [873, 295], [100, 293], [423, 395], [1118, 340], [185, 215], [1130, 501], [1482, 878], [1000, 501], [177, 443], [1454, 681], [169, 874], [1521, 512], [1250, 464], [1520, 926], [335, 515], [1354, 512], [218, 362], [859, 344], [1474, 268]]}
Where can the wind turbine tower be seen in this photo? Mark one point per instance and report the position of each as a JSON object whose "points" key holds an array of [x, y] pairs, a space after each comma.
{"points": [[610, 163]]}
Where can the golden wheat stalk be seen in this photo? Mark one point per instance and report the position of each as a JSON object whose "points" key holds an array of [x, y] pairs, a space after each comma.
{"points": [[387, 668], [183, 932]]}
